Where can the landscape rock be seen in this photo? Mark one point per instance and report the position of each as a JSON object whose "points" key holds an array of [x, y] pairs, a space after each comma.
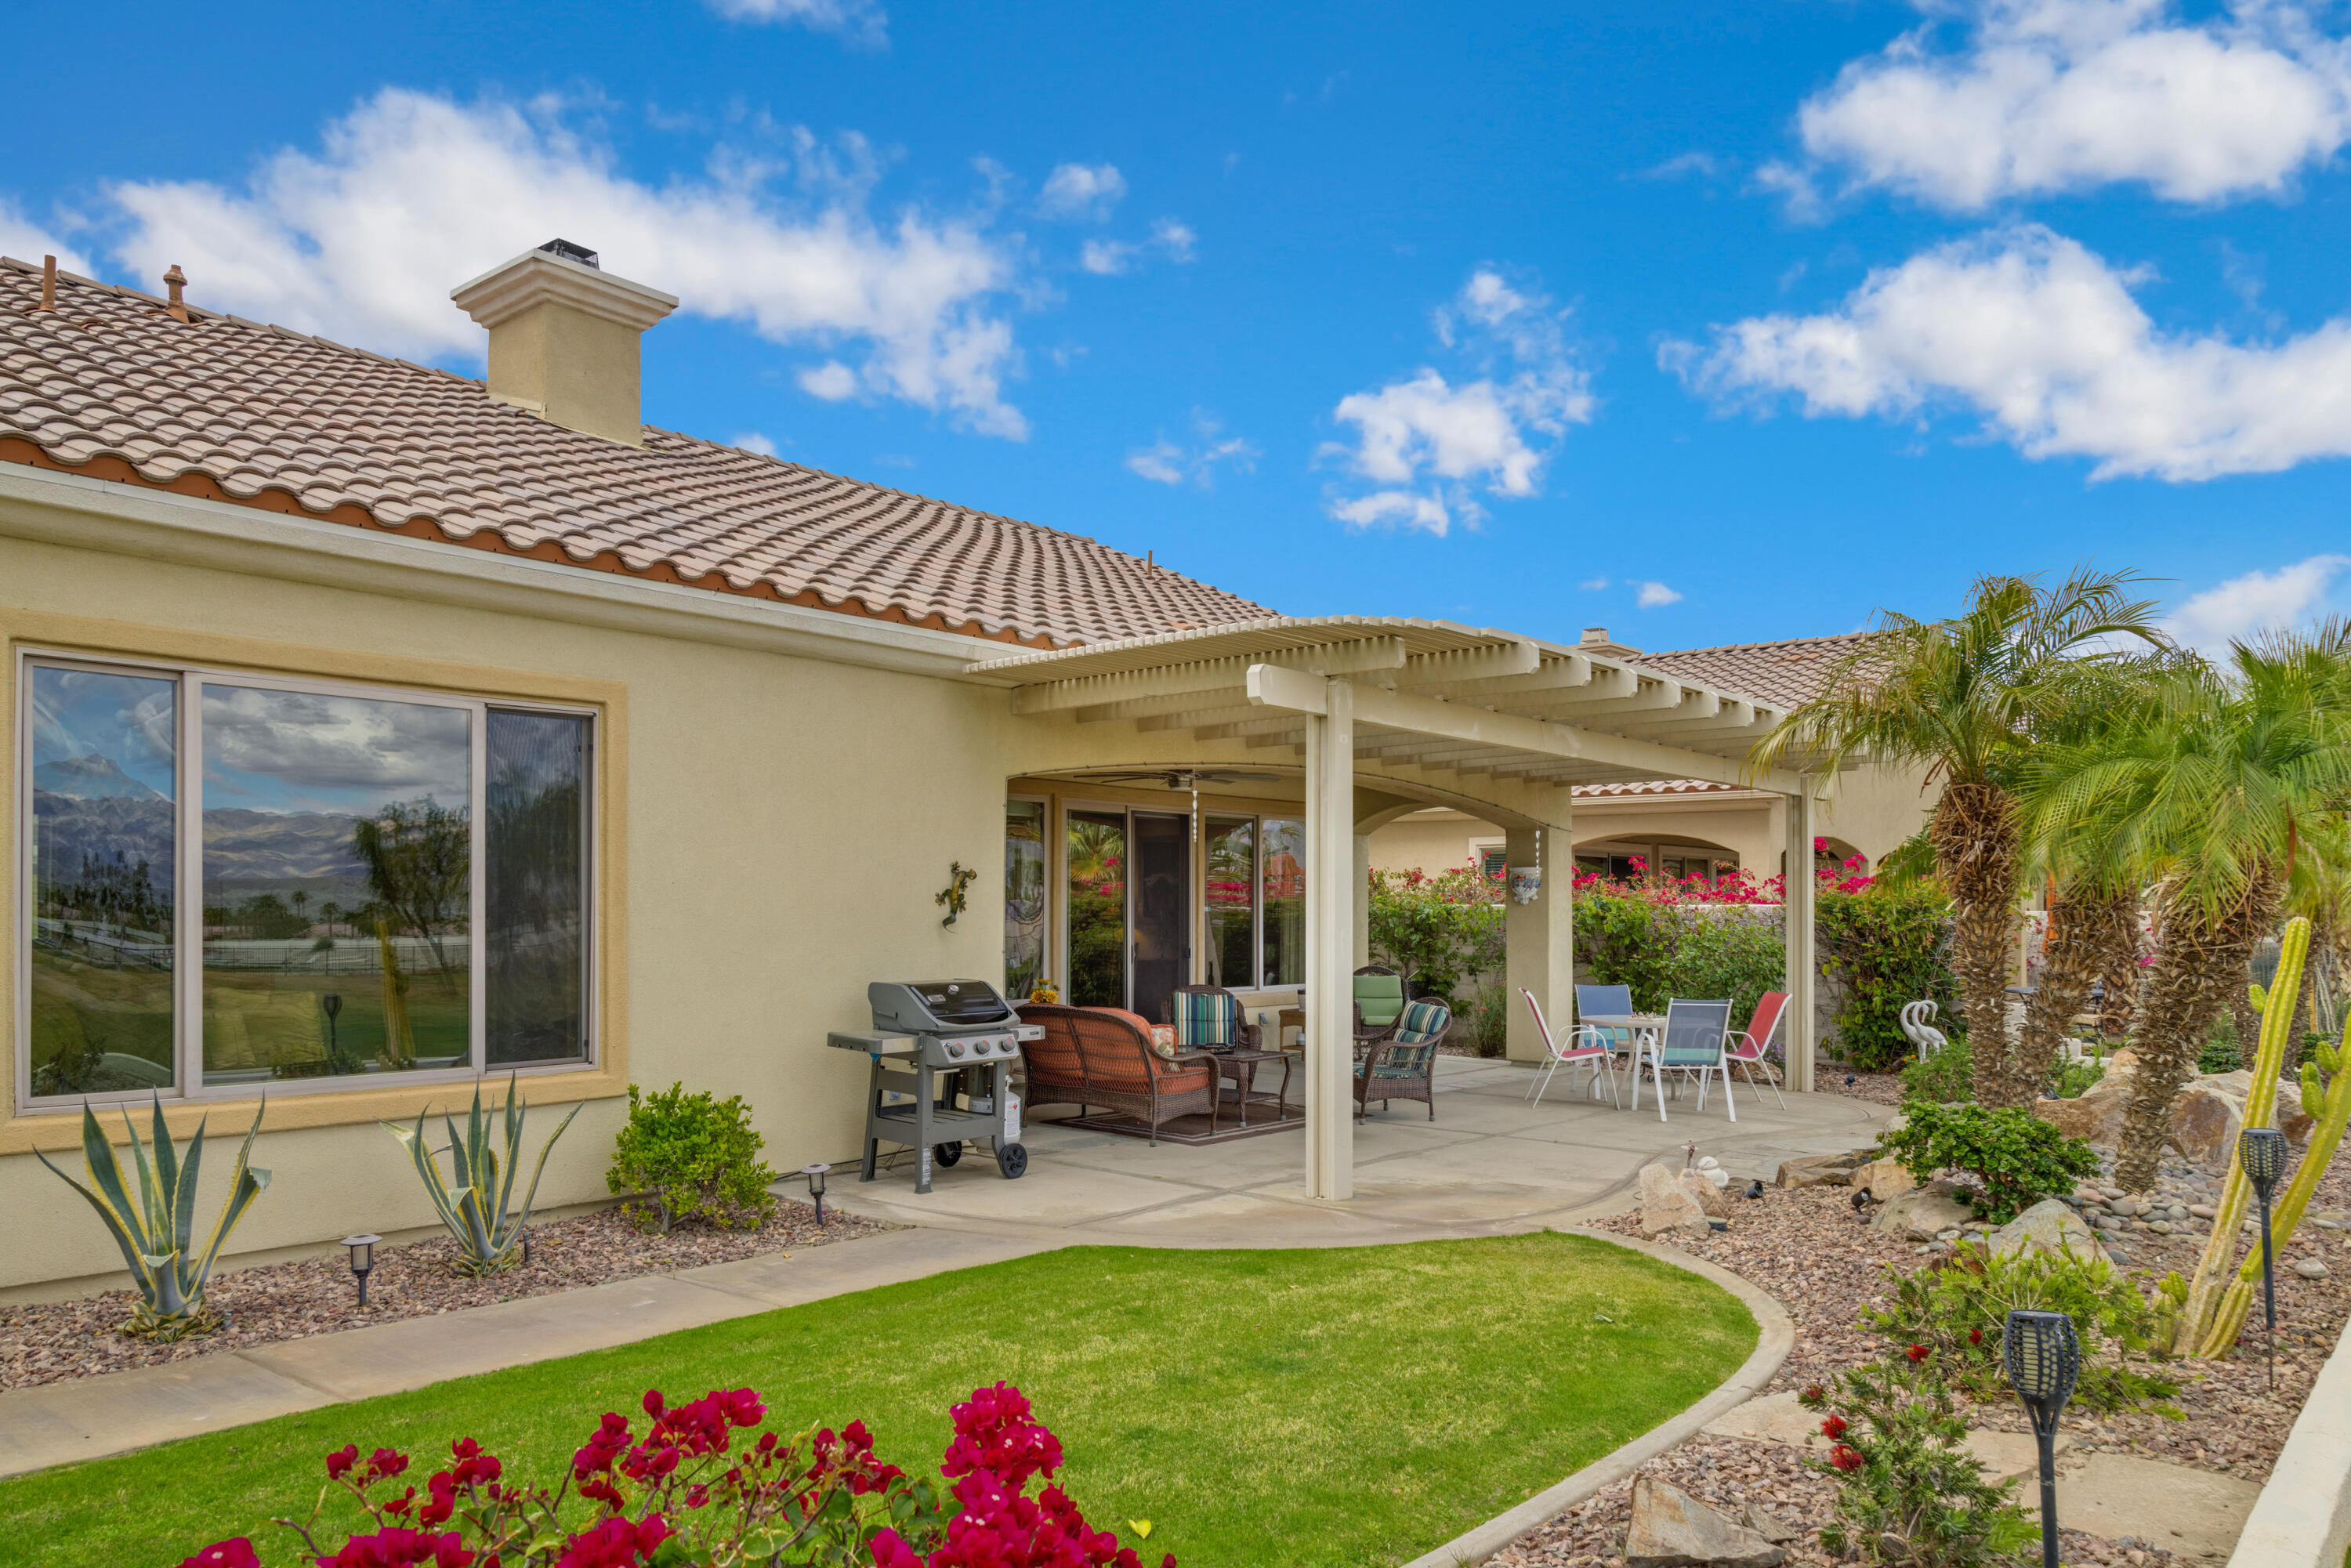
{"points": [[1778, 1532], [2312, 1268], [1815, 1170], [1665, 1206], [1671, 1529], [2048, 1226], [2205, 1121], [1886, 1179], [2095, 1114], [1713, 1200], [1922, 1214]]}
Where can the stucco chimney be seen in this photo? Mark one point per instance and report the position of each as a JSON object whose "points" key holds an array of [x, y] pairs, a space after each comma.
{"points": [[563, 337]]}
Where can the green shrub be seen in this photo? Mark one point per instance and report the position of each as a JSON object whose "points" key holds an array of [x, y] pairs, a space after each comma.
{"points": [[2069, 1079], [2220, 1053], [1890, 947], [1488, 1015], [1664, 950], [1908, 1491], [1941, 1077], [1438, 931], [2016, 1158], [695, 1157], [1959, 1310], [1729, 957]]}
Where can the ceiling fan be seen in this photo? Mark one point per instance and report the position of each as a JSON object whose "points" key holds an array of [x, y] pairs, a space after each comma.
{"points": [[1181, 778]]}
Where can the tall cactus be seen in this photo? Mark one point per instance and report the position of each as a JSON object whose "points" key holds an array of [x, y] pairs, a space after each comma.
{"points": [[2329, 1099], [2206, 1296]]}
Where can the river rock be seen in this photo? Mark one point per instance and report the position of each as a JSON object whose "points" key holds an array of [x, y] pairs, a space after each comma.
{"points": [[2312, 1268], [2048, 1226], [2205, 1122], [1671, 1529], [1886, 1179], [1922, 1214]]}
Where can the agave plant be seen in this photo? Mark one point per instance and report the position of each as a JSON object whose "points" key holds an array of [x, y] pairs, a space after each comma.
{"points": [[474, 1206], [155, 1233]]}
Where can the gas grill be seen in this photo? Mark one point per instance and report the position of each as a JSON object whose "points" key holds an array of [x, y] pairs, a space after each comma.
{"points": [[942, 1052]]}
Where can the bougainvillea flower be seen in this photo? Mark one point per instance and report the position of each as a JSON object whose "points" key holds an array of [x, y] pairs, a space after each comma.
{"points": [[398, 1548], [340, 1462], [234, 1552]]}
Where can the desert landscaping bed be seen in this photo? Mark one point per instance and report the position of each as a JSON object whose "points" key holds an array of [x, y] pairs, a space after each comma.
{"points": [[52, 1342], [1810, 1250]]}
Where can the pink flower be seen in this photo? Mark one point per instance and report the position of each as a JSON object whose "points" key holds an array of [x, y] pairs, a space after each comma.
{"points": [[340, 1462], [234, 1552], [399, 1548]]}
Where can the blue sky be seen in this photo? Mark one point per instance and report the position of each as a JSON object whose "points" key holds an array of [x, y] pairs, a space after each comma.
{"points": [[1727, 326]]}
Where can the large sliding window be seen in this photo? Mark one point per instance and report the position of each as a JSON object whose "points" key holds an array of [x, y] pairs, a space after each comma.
{"points": [[237, 881], [1024, 896], [1096, 851], [1231, 888], [1285, 901]]}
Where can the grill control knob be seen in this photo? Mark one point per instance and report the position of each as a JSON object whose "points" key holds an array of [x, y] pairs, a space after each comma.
{"points": [[955, 1048]]}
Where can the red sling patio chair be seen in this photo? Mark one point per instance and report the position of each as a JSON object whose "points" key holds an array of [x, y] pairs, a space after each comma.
{"points": [[1749, 1046], [1586, 1042]]}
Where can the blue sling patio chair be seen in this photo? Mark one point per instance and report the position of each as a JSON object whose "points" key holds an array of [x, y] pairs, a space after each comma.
{"points": [[1606, 1001], [1691, 1045]]}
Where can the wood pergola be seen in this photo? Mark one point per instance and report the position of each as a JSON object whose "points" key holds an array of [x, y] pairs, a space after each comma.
{"points": [[1473, 713]]}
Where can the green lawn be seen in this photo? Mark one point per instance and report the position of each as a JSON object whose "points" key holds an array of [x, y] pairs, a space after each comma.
{"points": [[1322, 1406]]}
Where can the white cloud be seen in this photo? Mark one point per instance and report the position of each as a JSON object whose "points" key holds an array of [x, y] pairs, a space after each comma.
{"points": [[2257, 602], [860, 21], [1108, 258], [1593, 584], [411, 195], [2064, 94], [831, 381], [1654, 595], [752, 440], [1705, 165], [1165, 462], [2043, 340], [1105, 259], [26, 240], [1081, 190], [1426, 444]]}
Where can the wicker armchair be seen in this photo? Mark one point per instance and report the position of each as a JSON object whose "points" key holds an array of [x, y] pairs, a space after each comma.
{"points": [[1095, 1056], [1403, 1066]]}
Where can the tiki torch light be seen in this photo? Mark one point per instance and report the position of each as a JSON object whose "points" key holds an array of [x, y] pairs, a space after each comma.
{"points": [[2043, 1358], [2262, 1152]]}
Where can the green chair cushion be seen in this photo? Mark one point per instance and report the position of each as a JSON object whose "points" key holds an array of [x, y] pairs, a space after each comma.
{"points": [[1380, 996]]}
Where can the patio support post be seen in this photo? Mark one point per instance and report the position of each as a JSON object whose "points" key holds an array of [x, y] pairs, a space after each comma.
{"points": [[1804, 955], [1331, 897], [1362, 900], [1539, 938]]}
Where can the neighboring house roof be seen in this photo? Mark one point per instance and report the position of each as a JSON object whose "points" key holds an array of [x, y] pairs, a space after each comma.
{"points": [[1654, 787], [1788, 673], [111, 385]]}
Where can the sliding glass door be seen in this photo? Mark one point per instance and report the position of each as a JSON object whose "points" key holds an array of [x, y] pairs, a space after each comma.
{"points": [[1163, 911], [1095, 845]]}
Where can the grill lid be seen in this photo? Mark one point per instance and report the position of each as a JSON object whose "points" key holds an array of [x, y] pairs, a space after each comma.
{"points": [[935, 1005]]}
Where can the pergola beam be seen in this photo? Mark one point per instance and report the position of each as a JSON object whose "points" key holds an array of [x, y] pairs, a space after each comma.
{"points": [[1272, 686], [1361, 655]]}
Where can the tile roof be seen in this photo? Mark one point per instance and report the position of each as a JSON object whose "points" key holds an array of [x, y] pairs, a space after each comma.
{"points": [[112, 385], [1654, 787], [1788, 673]]}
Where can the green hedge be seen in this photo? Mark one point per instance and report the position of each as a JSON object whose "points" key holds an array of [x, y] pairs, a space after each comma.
{"points": [[1889, 946], [1672, 949]]}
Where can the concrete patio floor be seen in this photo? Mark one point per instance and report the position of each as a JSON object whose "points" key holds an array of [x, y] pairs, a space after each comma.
{"points": [[1489, 1164]]}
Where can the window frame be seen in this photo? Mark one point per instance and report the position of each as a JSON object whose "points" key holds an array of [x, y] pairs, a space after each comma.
{"points": [[189, 678]]}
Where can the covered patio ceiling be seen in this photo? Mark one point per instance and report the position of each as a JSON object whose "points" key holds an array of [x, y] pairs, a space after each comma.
{"points": [[1428, 695]]}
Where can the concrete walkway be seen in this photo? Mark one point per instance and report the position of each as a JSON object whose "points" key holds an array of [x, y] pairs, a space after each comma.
{"points": [[1489, 1164]]}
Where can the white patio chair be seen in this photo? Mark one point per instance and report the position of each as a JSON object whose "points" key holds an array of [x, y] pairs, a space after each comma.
{"points": [[1694, 1044], [1584, 1043]]}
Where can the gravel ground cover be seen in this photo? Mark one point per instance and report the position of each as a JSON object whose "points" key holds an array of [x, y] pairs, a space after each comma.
{"points": [[1821, 1260], [51, 1342]]}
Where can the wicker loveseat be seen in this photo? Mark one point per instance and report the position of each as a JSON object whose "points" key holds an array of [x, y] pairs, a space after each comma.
{"points": [[1095, 1056]]}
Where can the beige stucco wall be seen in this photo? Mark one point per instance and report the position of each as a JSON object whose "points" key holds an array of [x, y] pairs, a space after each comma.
{"points": [[1872, 810], [787, 822]]}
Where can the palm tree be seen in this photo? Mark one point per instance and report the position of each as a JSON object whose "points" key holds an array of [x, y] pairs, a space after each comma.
{"points": [[2208, 794], [1965, 696]]}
